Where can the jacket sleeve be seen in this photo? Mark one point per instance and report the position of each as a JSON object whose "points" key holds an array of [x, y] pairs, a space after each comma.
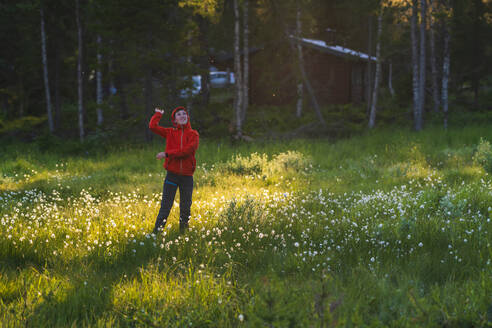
{"points": [[188, 149], [154, 125]]}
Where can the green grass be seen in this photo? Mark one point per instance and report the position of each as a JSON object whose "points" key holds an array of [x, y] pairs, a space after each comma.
{"points": [[391, 228]]}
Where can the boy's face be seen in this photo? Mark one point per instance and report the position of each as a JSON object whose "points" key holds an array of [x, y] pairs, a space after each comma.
{"points": [[181, 117]]}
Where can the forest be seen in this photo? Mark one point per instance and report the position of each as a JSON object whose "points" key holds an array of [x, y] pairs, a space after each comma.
{"points": [[89, 70]]}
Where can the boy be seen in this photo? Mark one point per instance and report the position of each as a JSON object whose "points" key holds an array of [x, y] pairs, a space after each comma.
{"points": [[180, 163]]}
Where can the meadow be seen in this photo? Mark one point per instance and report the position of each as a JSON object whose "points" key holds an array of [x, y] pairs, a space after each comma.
{"points": [[390, 228]]}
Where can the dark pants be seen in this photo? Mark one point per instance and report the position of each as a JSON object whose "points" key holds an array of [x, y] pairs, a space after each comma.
{"points": [[171, 184]]}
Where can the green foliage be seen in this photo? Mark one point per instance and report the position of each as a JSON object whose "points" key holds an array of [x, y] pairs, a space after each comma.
{"points": [[483, 155], [241, 214], [24, 124], [285, 163], [242, 165], [206, 8], [19, 167]]}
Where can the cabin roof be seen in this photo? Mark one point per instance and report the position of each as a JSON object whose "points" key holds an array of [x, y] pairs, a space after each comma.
{"points": [[334, 49]]}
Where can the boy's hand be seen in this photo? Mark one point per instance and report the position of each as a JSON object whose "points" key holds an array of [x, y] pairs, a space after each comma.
{"points": [[158, 110], [160, 155]]}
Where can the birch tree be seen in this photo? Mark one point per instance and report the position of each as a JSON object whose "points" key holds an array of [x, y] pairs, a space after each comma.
{"points": [[446, 63], [390, 78], [80, 82], [422, 59], [57, 104], [369, 66], [300, 88], [237, 71], [374, 98], [148, 86], [245, 91], [417, 115], [433, 59], [45, 71], [99, 88]]}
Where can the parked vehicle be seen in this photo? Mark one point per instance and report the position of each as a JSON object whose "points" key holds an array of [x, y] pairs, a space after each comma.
{"points": [[219, 79], [194, 90]]}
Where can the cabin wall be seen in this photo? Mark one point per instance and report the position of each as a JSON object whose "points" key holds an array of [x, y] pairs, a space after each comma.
{"points": [[274, 75], [330, 77]]}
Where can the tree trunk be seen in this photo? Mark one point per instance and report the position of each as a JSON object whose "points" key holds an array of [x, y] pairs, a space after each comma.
{"points": [[57, 85], [148, 102], [205, 82], [372, 116], [189, 99], [477, 48], [148, 85], [369, 67], [433, 60], [390, 79], [203, 23], [309, 88], [99, 91], [237, 69], [80, 81], [422, 66], [45, 73], [300, 88], [121, 91], [445, 72], [245, 102], [22, 96], [111, 87], [415, 67]]}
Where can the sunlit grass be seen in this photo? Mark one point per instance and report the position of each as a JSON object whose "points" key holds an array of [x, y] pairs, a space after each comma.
{"points": [[392, 228]]}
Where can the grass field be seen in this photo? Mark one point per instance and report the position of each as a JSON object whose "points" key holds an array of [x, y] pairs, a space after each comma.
{"points": [[387, 229]]}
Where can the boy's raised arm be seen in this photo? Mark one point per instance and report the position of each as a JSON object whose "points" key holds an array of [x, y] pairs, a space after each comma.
{"points": [[154, 123]]}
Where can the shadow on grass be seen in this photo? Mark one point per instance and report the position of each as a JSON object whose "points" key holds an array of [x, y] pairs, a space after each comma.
{"points": [[93, 279]]}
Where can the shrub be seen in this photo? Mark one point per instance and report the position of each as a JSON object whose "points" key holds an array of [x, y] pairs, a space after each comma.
{"points": [[26, 123], [483, 155], [18, 168], [283, 162], [259, 164], [253, 164]]}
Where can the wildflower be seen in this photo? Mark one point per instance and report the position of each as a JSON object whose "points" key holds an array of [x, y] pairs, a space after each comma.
{"points": [[240, 317]]}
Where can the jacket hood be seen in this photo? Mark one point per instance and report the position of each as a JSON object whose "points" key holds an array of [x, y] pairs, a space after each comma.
{"points": [[176, 125]]}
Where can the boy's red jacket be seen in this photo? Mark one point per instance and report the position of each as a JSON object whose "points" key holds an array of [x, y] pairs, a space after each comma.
{"points": [[181, 144]]}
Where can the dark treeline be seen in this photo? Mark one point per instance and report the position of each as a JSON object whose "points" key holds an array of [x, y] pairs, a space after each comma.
{"points": [[83, 67]]}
